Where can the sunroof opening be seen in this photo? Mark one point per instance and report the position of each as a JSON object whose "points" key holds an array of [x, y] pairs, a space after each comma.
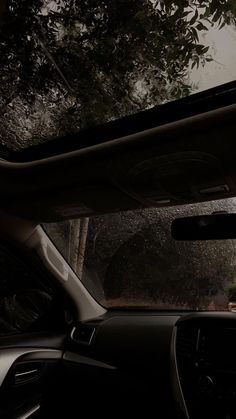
{"points": [[69, 65]]}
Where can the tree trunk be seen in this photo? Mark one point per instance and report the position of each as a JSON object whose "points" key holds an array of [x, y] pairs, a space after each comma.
{"points": [[82, 246], [74, 240], [77, 244]]}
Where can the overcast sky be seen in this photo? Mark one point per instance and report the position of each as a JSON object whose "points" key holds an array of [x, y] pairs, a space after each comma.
{"points": [[223, 50]]}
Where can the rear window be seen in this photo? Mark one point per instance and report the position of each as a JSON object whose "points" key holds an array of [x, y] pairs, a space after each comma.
{"points": [[129, 259]]}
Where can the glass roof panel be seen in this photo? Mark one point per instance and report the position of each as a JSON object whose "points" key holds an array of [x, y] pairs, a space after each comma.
{"points": [[68, 65]]}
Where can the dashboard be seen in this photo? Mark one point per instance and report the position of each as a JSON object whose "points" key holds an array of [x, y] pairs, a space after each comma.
{"points": [[204, 353], [189, 356], [182, 366]]}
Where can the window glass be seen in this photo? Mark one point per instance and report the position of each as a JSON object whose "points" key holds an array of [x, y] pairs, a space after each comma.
{"points": [[68, 65], [23, 299], [129, 259]]}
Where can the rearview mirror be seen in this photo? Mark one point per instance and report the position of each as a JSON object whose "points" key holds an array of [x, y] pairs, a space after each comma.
{"points": [[205, 227]]}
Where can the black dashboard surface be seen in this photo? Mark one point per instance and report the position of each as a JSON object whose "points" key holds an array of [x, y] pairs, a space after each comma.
{"points": [[127, 363], [180, 364], [205, 350], [124, 340]]}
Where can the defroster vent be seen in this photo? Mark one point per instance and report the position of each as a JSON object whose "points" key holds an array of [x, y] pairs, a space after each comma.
{"points": [[83, 334]]}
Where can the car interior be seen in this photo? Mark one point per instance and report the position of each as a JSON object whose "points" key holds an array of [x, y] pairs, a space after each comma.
{"points": [[117, 209], [62, 353]]}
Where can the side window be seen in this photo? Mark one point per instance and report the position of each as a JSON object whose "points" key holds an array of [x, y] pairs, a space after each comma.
{"points": [[24, 300]]}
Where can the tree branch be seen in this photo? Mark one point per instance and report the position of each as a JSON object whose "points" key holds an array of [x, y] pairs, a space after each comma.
{"points": [[51, 59]]}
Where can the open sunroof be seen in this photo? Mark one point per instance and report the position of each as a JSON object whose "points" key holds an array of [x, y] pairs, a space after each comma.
{"points": [[70, 69]]}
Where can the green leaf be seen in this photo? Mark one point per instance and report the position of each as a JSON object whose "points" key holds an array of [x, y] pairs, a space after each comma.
{"points": [[194, 18], [217, 15], [201, 27], [185, 13], [222, 25], [195, 34], [205, 50]]}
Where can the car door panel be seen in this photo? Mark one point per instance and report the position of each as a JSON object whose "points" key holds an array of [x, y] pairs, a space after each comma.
{"points": [[26, 374]]}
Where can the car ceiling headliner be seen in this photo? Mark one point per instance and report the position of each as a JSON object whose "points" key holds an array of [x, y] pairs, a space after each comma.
{"points": [[174, 161]]}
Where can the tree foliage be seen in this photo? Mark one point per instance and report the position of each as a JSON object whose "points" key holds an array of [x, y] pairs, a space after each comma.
{"points": [[84, 62]]}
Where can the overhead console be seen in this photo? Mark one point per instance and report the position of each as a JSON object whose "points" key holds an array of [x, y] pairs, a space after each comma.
{"points": [[204, 354]]}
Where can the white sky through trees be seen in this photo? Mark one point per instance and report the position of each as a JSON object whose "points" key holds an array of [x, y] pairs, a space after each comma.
{"points": [[223, 67]]}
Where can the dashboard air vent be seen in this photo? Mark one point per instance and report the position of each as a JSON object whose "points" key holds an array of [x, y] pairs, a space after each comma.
{"points": [[83, 334], [186, 342], [26, 372]]}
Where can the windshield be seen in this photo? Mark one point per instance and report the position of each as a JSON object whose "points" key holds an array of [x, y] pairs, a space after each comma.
{"points": [[68, 65], [129, 259]]}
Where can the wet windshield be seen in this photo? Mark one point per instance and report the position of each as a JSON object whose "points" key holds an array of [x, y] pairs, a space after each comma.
{"points": [[129, 259]]}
